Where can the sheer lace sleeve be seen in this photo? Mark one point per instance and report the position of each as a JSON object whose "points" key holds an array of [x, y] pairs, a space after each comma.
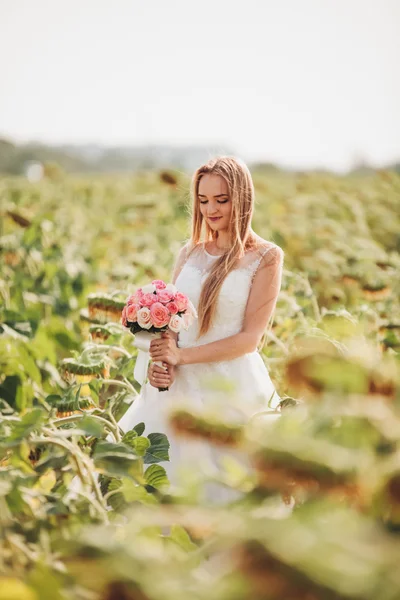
{"points": [[266, 285], [180, 261], [271, 256]]}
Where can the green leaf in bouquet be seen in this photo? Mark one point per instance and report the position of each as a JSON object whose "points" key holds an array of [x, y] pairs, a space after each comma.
{"points": [[158, 450]]}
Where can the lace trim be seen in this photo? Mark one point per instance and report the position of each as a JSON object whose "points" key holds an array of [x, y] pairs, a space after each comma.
{"points": [[251, 268], [206, 270]]}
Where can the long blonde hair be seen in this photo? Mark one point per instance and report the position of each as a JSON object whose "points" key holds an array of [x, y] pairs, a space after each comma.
{"points": [[241, 192]]}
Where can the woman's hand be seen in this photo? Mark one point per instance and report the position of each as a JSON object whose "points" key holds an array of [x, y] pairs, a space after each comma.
{"points": [[165, 349], [159, 378]]}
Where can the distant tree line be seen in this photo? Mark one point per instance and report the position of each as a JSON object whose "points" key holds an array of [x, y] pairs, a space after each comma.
{"points": [[14, 158]]}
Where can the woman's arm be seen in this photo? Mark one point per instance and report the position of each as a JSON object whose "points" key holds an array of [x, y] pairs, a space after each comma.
{"points": [[259, 310]]}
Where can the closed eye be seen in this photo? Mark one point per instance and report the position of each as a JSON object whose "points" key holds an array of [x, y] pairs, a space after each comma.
{"points": [[219, 201]]}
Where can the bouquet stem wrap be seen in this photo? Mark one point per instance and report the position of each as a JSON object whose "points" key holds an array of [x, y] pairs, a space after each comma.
{"points": [[142, 343]]}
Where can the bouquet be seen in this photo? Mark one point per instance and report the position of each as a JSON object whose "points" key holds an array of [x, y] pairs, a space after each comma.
{"points": [[152, 309]]}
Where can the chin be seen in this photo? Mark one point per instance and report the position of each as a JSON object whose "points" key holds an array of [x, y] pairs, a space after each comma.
{"points": [[217, 226]]}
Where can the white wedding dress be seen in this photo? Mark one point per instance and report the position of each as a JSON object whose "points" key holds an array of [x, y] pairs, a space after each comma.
{"points": [[247, 380]]}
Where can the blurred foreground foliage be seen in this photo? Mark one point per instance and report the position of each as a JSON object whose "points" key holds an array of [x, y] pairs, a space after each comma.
{"points": [[312, 492]]}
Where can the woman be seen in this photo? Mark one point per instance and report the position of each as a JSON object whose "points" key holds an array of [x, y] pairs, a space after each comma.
{"points": [[233, 277]]}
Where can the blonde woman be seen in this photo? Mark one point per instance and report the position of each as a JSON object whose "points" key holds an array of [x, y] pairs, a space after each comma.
{"points": [[233, 277]]}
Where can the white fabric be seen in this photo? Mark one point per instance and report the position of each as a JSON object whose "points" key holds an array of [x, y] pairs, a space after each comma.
{"points": [[248, 375]]}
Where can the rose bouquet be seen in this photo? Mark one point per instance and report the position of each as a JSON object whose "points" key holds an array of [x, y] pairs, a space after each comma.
{"points": [[152, 309]]}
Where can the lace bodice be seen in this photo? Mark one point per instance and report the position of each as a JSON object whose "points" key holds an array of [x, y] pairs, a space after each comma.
{"points": [[234, 292]]}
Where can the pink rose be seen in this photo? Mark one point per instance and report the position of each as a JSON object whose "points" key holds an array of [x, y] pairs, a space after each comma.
{"points": [[160, 285], [172, 307], [159, 315], [135, 298], [176, 323], [131, 312], [148, 299], [124, 320], [143, 318], [164, 296], [181, 301]]}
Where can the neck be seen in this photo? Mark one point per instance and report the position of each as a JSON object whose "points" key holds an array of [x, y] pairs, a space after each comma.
{"points": [[222, 241]]}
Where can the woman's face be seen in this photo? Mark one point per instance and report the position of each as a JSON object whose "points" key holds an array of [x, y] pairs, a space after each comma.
{"points": [[215, 203]]}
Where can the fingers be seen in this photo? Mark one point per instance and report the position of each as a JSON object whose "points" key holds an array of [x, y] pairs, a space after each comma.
{"points": [[157, 345], [161, 356], [158, 377], [161, 370], [158, 352]]}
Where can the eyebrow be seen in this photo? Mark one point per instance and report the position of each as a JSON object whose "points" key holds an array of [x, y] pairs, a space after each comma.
{"points": [[218, 196]]}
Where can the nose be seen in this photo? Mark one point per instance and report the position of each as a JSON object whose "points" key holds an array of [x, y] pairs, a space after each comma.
{"points": [[212, 209]]}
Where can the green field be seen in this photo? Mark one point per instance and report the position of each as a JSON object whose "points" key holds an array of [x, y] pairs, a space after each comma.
{"points": [[71, 249]]}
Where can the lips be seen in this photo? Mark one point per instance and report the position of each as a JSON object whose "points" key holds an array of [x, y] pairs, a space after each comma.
{"points": [[213, 219]]}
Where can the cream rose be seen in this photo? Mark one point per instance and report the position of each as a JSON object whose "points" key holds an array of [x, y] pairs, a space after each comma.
{"points": [[150, 288], [143, 318], [171, 288], [176, 323]]}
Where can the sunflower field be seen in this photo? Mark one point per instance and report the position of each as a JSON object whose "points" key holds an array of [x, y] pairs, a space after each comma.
{"points": [[317, 517]]}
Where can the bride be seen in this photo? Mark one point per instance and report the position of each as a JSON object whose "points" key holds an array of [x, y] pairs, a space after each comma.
{"points": [[233, 278]]}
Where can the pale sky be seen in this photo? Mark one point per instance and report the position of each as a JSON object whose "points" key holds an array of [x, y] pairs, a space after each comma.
{"points": [[301, 82]]}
